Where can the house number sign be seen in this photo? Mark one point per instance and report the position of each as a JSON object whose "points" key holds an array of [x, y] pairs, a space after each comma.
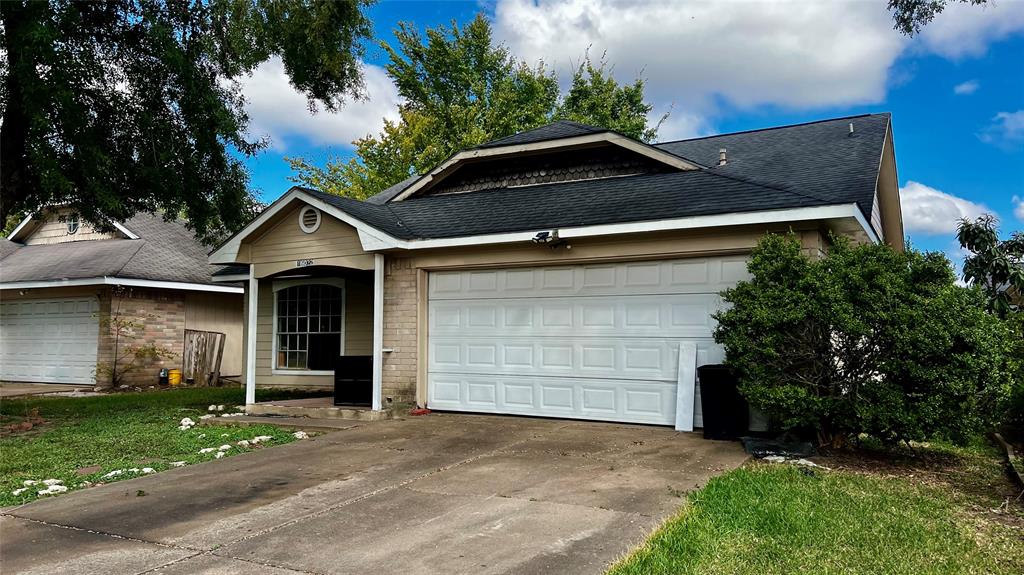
{"points": [[303, 263]]}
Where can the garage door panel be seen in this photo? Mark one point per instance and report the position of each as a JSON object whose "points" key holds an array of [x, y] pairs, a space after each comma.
{"points": [[676, 316], [608, 400], [697, 275], [610, 358], [50, 341]]}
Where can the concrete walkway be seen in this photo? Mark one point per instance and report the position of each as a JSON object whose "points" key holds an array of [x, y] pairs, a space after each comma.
{"points": [[435, 494]]}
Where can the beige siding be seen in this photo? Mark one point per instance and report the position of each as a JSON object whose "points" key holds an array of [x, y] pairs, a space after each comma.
{"points": [[654, 245], [358, 333], [887, 198], [223, 313], [54, 231], [286, 242], [876, 218]]}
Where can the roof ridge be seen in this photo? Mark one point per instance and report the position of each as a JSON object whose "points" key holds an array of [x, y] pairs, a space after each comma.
{"points": [[141, 242], [770, 128]]}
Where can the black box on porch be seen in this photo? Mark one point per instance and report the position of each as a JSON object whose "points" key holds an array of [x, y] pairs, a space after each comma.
{"points": [[353, 380]]}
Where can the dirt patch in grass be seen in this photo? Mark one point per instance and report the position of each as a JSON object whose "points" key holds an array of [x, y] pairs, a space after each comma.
{"points": [[29, 423], [975, 474]]}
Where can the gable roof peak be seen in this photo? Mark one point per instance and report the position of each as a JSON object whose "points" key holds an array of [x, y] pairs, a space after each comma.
{"points": [[552, 131]]}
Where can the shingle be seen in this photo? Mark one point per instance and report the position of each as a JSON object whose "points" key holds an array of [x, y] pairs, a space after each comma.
{"points": [[165, 251], [821, 159], [7, 247], [593, 202], [552, 131], [386, 195]]}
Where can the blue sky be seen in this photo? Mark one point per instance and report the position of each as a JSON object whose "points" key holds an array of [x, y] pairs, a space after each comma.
{"points": [[956, 92]]}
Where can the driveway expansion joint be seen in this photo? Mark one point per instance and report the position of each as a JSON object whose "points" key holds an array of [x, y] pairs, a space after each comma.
{"points": [[103, 533]]}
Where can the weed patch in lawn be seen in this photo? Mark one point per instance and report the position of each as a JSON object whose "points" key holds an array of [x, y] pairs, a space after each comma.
{"points": [[100, 439]]}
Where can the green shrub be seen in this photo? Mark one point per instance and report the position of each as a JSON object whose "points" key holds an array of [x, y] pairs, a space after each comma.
{"points": [[1012, 410], [864, 340]]}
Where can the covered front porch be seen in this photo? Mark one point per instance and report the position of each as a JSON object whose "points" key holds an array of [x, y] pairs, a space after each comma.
{"points": [[316, 327]]}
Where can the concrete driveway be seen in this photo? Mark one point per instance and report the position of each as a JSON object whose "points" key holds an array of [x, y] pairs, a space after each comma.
{"points": [[434, 494]]}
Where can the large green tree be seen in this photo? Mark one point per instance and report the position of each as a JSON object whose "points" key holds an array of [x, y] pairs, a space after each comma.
{"points": [[909, 16], [996, 266], [461, 89], [132, 105]]}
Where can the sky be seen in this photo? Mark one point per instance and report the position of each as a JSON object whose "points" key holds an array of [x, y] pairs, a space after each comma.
{"points": [[956, 92]]}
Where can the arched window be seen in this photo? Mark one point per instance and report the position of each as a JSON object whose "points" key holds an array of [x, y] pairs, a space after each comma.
{"points": [[309, 324]]}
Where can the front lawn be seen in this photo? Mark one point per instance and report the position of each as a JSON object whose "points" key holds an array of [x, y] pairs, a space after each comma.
{"points": [[887, 518], [79, 441]]}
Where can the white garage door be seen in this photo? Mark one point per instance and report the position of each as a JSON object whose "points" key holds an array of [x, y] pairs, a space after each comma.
{"points": [[590, 341], [50, 341]]}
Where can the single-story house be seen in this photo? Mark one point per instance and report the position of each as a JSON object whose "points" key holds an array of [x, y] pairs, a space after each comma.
{"points": [[62, 281], [566, 271]]}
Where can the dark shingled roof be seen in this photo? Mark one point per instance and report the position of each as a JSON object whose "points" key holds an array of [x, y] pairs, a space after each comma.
{"points": [[552, 131], [813, 164], [165, 251], [819, 158], [7, 247], [589, 202], [388, 194]]}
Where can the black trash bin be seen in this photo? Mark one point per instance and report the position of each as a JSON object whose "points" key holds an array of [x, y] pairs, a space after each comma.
{"points": [[353, 380], [724, 409]]}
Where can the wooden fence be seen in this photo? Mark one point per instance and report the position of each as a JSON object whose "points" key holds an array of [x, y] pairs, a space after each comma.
{"points": [[203, 353]]}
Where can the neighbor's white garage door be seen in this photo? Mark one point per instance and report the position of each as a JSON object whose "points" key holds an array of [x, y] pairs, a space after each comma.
{"points": [[50, 341], [588, 341]]}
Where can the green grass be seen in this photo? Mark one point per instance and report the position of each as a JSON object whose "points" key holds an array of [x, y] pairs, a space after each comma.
{"points": [[765, 518], [118, 431]]}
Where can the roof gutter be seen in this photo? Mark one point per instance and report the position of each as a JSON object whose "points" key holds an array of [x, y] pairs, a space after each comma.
{"points": [[833, 212], [108, 280]]}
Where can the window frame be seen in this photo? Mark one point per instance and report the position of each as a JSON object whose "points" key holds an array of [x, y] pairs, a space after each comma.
{"points": [[280, 285]]}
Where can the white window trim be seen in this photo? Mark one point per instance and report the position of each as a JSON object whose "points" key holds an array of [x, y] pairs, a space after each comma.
{"points": [[282, 284], [302, 216]]}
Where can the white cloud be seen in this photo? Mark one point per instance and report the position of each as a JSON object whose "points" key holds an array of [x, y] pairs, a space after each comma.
{"points": [[703, 57], [933, 212], [679, 125], [1018, 208], [709, 56], [808, 54], [1005, 131], [962, 30], [966, 88], [279, 111]]}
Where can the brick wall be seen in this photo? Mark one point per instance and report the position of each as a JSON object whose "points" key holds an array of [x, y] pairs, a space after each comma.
{"points": [[399, 373], [160, 319]]}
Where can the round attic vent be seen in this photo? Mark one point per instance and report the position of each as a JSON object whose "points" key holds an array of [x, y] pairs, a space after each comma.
{"points": [[309, 219]]}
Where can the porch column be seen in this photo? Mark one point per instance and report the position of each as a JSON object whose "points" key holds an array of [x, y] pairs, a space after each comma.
{"points": [[250, 340], [378, 329]]}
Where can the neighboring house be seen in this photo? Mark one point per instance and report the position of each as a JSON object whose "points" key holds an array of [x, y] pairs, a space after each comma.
{"points": [[61, 281], [566, 271]]}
